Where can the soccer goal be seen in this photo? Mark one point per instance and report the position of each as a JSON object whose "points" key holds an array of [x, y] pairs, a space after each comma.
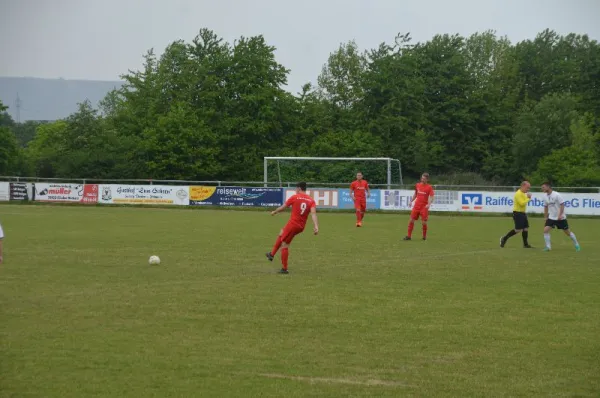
{"points": [[331, 170]]}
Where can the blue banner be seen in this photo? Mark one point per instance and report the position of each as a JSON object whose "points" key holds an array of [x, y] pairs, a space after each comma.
{"points": [[345, 202], [236, 196]]}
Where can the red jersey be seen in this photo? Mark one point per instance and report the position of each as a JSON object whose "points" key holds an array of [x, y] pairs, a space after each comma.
{"points": [[359, 188], [301, 205], [423, 191]]}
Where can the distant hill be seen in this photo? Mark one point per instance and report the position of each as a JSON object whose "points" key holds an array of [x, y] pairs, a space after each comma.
{"points": [[50, 99]]}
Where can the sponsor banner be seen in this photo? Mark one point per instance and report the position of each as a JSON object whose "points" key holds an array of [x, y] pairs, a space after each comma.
{"points": [[90, 193], [395, 199], [235, 196], [20, 191], [346, 202], [4, 191], [56, 192], [325, 198], [401, 200], [144, 194], [445, 201], [502, 202]]}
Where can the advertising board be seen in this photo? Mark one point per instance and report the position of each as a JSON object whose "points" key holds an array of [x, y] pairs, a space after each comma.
{"points": [[58, 192], [235, 196], [144, 194]]}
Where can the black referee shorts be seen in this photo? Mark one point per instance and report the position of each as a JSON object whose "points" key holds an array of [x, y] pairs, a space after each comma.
{"points": [[520, 219]]}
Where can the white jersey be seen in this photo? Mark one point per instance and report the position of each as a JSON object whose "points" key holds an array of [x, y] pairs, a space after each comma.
{"points": [[553, 201], [1, 232]]}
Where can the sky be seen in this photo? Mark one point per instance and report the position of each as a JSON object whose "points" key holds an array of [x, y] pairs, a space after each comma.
{"points": [[103, 39]]}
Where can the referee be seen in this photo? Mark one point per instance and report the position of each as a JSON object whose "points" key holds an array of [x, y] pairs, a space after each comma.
{"points": [[522, 197]]}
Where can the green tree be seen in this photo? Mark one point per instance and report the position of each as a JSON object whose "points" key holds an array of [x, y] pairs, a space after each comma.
{"points": [[569, 167], [393, 106], [450, 103], [181, 147], [46, 150], [542, 128], [340, 81], [10, 156]]}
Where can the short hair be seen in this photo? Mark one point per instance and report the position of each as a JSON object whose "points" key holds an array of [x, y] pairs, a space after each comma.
{"points": [[548, 184], [425, 175], [359, 172], [302, 186], [525, 183]]}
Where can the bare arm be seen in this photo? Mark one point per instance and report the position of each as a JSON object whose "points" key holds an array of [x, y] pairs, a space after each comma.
{"points": [[352, 193], [546, 212], [0, 251], [278, 210], [429, 201], [313, 214]]}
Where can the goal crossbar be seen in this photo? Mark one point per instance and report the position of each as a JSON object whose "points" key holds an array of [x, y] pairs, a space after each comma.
{"points": [[389, 162]]}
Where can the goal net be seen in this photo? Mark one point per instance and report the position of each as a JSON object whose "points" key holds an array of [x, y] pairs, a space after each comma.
{"points": [[331, 172]]}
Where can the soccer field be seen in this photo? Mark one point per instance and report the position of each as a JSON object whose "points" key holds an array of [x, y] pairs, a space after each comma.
{"points": [[361, 313]]}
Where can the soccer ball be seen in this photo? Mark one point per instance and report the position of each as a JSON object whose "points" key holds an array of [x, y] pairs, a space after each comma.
{"points": [[154, 260]]}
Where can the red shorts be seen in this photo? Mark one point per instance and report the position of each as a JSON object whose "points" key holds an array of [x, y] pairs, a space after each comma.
{"points": [[360, 204], [290, 231], [423, 212]]}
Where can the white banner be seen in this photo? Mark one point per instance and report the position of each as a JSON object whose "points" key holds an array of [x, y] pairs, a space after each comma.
{"points": [[4, 191], [502, 202], [393, 199], [144, 194], [489, 202], [400, 200], [325, 198], [56, 192]]}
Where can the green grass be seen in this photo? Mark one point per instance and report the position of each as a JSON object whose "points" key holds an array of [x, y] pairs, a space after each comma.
{"points": [[362, 313]]}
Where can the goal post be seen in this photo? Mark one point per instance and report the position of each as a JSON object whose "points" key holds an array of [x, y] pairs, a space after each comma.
{"points": [[389, 162]]}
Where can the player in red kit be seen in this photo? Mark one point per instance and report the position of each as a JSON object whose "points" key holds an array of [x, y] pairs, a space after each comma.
{"points": [[421, 202], [359, 190], [301, 204]]}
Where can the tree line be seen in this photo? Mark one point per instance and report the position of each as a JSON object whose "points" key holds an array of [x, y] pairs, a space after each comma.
{"points": [[467, 109]]}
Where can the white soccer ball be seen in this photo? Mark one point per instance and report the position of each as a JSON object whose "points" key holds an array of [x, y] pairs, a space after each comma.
{"points": [[154, 260]]}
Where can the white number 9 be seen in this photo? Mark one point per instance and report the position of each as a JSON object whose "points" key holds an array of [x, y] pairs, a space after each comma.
{"points": [[303, 207]]}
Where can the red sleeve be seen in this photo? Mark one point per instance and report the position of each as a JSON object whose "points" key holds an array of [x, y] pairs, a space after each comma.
{"points": [[290, 201], [352, 186], [431, 193]]}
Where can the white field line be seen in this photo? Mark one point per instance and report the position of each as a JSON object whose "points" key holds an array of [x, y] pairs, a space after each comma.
{"points": [[331, 380]]}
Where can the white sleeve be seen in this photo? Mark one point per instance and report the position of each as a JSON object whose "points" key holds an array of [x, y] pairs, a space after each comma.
{"points": [[559, 199], [1, 232]]}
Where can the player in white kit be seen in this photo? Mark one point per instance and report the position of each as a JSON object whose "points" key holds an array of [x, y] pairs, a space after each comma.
{"points": [[554, 213]]}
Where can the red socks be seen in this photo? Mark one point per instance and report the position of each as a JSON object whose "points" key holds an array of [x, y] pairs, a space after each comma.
{"points": [[358, 217], [411, 226], [277, 246], [424, 231], [284, 257]]}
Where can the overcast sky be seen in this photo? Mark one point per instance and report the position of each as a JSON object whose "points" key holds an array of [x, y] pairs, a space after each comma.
{"points": [[102, 39]]}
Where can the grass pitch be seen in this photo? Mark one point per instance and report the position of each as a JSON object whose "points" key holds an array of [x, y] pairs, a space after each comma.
{"points": [[82, 314]]}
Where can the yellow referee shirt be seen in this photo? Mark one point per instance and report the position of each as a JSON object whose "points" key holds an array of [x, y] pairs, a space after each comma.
{"points": [[520, 201]]}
